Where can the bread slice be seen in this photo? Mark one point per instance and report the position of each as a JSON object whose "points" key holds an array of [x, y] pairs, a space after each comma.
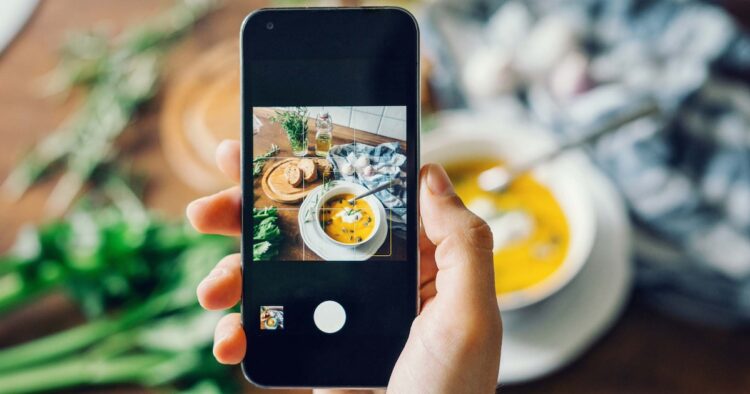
{"points": [[309, 170], [325, 169], [293, 175]]}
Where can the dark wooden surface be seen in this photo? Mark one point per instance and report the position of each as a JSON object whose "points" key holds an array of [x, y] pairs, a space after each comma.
{"points": [[646, 351], [293, 248]]}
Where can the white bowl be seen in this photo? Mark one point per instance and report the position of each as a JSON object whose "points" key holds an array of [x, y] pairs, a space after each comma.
{"points": [[562, 177], [341, 187]]}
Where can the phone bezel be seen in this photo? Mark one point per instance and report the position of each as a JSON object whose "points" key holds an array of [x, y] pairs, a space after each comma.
{"points": [[274, 15]]}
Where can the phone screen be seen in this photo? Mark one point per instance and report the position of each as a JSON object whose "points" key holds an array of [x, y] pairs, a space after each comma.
{"points": [[330, 113]]}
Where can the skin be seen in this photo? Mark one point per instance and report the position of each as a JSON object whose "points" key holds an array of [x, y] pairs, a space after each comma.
{"points": [[454, 343]]}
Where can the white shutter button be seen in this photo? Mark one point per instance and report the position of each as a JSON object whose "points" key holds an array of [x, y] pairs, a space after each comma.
{"points": [[329, 316]]}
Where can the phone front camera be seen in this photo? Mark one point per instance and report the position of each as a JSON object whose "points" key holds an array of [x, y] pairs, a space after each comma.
{"points": [[269, 26]]}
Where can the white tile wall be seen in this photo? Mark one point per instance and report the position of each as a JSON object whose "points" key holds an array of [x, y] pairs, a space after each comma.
{"points": [[371, 110], [339, 115], [385, 121], [363, 121], [314, 111], [393, 128], [398, 112]]}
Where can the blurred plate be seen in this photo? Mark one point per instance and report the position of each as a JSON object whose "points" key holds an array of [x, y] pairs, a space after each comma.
{"points": [[13, 16], [545, 337], [515, 143]]}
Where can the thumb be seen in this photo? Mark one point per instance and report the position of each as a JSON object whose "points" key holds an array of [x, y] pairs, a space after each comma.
{"points": [[463, 243], [454, 345]]}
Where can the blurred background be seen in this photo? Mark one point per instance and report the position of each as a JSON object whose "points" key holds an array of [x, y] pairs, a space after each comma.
{"points": [[622, 263]]}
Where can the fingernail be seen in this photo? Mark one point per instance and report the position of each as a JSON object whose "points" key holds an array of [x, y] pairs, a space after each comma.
{"points": [[224, 144], [221, 337], [216, 273], [223, 334], [195, 204], [438, 181]]}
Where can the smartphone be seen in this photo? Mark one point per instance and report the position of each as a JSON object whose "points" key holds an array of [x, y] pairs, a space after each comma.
{"points": [[330, 159]]}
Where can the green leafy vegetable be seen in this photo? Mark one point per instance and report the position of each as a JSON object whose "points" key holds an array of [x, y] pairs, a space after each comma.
{"points": [[266, 233], [310, 213], [260, 161], [138, 285], [135, 276]]}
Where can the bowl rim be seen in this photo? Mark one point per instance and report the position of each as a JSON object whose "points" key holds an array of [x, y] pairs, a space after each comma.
{"points": [[335, 190], [569, 269]]}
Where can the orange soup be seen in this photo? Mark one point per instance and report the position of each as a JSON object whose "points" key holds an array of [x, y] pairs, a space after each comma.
{"points": [[346, 222], [523, 260]]}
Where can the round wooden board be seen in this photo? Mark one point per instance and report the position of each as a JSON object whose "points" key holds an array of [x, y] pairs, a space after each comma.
{"points": [[276, 187], [201, 108]]}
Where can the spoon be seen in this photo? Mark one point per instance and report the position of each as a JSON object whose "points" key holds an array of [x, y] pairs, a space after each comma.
{"points": [[498, 178], [394, 182]]}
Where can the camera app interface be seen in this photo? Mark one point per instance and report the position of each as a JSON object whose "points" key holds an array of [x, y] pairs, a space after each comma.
{"points": [[329, 183]]}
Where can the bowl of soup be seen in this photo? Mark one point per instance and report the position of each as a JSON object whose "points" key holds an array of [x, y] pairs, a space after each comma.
{"points": [[543, 224], [345, 222]]}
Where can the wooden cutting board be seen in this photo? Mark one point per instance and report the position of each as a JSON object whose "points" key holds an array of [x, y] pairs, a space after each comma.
{"points": [[201, 108], [276, 187]]}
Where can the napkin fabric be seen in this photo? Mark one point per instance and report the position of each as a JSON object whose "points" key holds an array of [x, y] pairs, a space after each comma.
{"points": [[685, 175], [386, 160]]}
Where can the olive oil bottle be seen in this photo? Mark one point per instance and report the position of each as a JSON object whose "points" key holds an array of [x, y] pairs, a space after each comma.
{"points": [[323, 135]]}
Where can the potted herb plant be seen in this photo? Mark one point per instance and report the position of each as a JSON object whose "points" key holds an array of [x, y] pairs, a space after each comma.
{"points": [[294, 123]]}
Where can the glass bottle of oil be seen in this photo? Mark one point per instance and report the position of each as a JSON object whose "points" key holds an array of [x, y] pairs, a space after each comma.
{"points": [[323, 135]]}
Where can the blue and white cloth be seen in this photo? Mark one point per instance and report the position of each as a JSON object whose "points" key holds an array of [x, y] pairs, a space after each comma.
{"points": [[685, 174], [387, 161]]}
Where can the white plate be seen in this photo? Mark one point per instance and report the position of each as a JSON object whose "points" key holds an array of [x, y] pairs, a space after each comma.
{"points": [[13, 16], [561, 177], [545, 337], [319, 243]]}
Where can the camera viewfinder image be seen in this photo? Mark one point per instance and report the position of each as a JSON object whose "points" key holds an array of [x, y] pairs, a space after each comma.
{"points": [[329, 183], [271, 317]]}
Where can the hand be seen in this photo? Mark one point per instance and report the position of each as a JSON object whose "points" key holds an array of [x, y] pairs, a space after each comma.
{"points": [[454, 343]]}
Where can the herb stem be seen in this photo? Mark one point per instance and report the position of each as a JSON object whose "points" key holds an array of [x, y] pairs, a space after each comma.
{"points": [[71, 340], [55, 345], [14, 294], [74, 372]]}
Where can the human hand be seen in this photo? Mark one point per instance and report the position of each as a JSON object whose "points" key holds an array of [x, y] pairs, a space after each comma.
{"points": [[454, 343]]}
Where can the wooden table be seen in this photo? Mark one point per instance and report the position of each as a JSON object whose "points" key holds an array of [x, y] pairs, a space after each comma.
{"points": [[292, 247], [646, 351]]}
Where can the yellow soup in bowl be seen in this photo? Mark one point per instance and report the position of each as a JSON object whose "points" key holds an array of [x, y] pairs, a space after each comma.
{"points": [[530, 230], [345, 222]]}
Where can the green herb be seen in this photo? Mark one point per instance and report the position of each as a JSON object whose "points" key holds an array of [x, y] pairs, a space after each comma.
{"points": [[119, 76], [266, 233], [294, 123], [350, 212], [148, 369], [260, 161], [310, 213], [135, 276]]}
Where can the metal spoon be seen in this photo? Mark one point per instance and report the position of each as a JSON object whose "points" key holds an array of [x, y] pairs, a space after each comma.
{"points": [[498, 178], [394, 182]]}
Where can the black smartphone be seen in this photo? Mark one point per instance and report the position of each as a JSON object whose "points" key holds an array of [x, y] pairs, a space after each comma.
{"points": [[330, 159]]}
